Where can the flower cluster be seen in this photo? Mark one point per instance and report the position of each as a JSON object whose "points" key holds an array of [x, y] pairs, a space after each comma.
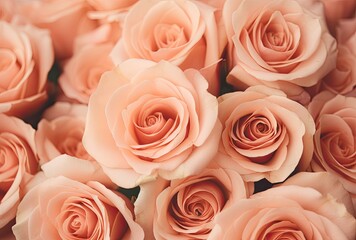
{"points": [[178, 119]]}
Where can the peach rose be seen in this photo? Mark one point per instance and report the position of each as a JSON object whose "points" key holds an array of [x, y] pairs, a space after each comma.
{"points": [[283, 44], [83, 71], [18, 162], [64, 19], [187, 208], [184, 33], [342, 79], [150, 119], [265, 135], [286, 212], [26, 56], [335, 10], [334, 139], [60, 208], [60, 131]]}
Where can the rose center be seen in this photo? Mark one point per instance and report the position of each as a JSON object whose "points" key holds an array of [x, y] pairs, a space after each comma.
{"points": [[276, 39], [75, 224], [168, 36], [153, 119]]}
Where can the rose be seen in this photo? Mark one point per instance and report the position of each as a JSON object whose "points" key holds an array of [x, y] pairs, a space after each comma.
{"points": [[25, 58], [265, 134], [280, 43], [83, 71], [65, 20], [150, 119], [187, 208], [184, 33], [286, 212], [67, 209], [334, 139], [60, 131], [18, 162], [342, 79]]}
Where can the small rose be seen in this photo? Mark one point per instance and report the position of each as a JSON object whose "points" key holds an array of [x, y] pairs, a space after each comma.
{"points": [[265, 134], [187, 208], [26, 56], [83, 71], [283, 44], [60, 131]]}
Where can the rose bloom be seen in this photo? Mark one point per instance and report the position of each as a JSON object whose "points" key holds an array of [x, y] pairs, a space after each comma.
{"points": [[184, 33], [150, 119], [26, 56], [187, 208], [61, 208], [265, 134], [279, 43], [334, 139], [18, 163], [342, 79], [287, 212], [60, 131], [83, 71]]}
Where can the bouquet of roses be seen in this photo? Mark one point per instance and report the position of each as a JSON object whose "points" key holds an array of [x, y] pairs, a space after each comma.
{"points": [[178, 119]]}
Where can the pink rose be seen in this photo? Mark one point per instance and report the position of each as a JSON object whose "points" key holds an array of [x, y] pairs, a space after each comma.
{"points": [[342, 79], [26, 57], [335, 10], [150, 119], [64, 19], [334, 139], [83, 71], [60, 131], [187, 208], [18, 162], [60, 208], [286, 212], [283, 44], [265, 134], [184, 33]]}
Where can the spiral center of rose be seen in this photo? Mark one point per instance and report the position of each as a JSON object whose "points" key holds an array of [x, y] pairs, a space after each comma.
{"points": [[153, 119], [197, 204], [341, 149], [276, 39], [254, 132], [168, 36]]}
